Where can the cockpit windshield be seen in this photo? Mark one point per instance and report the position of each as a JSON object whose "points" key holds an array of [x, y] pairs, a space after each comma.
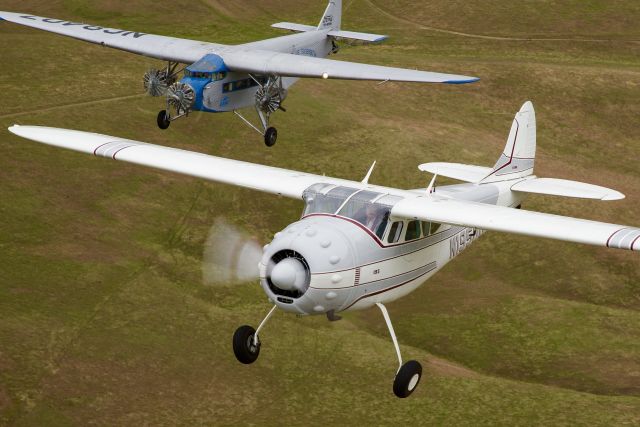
{"points": [[369, 208], [318, 200]]}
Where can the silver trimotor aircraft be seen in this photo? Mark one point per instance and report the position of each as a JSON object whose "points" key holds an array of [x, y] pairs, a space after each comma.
{"points": [[359, 245], [225, 78]]}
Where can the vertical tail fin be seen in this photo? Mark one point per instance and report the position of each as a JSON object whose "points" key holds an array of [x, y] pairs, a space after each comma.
{"points": [[332, 18], [519, 154]]}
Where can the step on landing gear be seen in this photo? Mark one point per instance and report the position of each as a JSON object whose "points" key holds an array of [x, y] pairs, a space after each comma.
{"points": [[246, 343], [409, 374]]}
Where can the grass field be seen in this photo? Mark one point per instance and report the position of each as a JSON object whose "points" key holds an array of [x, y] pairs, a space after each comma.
{"points": [[103, 316]]}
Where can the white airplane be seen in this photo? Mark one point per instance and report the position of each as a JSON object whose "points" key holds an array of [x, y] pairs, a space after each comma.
{"points": [[358, 245], [224, 78]]}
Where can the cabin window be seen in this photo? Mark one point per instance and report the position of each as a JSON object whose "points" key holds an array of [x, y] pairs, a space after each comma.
{"points": [[220, 76], [242, 84], [413, 230], [395, 232], [426, 226], [435, 227]]}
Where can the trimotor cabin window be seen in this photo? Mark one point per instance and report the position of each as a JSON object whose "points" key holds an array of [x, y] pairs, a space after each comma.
{"points": [[413, 230], [395, 232]]}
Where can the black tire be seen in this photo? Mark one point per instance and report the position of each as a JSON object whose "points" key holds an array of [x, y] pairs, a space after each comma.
{"points": [[407, 379], [270, 137], [243, 347], [163, 120]]}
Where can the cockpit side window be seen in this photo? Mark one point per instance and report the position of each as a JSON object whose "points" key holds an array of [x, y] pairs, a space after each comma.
{"points": [[372, 215]]}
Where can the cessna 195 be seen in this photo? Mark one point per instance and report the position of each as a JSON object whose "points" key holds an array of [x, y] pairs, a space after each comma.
{"points": [[225, 78], [358, 245]]}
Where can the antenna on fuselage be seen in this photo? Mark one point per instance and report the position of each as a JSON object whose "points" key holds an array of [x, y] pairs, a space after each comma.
{"points": [[365, 181], [431, 184]]}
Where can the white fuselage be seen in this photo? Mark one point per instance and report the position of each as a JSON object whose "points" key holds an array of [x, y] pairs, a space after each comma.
{"points": [[351, 267]]}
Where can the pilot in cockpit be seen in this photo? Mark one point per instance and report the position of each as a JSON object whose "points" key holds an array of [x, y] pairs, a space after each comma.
{"points": [[373, 217]]}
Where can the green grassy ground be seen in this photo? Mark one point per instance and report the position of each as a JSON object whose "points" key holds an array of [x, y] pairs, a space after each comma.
{"points": [[103, 317]]}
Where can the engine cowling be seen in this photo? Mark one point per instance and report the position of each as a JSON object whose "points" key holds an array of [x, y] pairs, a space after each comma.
{"points": [[181, 96], [156, 82]]}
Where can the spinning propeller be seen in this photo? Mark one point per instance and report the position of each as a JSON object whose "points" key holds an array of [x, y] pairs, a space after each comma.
{"points": [[230, 255]]}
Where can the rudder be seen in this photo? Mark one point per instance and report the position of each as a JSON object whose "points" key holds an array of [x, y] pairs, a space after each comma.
{"points": [[332, 18], [518, 158]]}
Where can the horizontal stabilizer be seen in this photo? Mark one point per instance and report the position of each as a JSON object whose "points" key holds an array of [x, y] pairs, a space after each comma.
{"points": [[457, 171], [365, 37], [301, 28], [565, 188]]}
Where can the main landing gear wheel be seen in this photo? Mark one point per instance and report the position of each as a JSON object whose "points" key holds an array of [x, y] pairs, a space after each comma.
{"points": [[407, 379], [245, 349], [270, 137], [163, 120]]}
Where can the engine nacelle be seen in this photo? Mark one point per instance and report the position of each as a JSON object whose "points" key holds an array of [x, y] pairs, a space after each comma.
{"points": [[309, 267]]}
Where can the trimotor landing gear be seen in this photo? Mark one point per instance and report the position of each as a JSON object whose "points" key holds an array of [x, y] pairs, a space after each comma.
{"points": [[180, 98], [246, 344], [163, 120], [270, 137], [269, 98], [408, 375]]}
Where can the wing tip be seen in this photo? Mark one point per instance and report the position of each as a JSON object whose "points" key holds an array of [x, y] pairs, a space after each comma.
{"points": [[462, 81], [613, 195]]}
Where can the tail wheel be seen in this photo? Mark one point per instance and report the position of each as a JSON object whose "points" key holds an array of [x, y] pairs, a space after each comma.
{"points": [[245, 349], [407, 379]]}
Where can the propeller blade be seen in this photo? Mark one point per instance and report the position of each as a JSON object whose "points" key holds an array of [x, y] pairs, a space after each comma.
{"points": [[230, 255]]}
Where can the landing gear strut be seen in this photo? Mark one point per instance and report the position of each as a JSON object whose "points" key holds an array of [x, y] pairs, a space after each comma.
{"points": [[269, 98], [246, 344], [408, 375]]}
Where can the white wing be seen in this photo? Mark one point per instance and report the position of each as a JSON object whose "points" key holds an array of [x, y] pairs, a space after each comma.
{"points": [[257, 177], [509, 220], [160, 47], [292, 184], [285, 64], [235, 58]]}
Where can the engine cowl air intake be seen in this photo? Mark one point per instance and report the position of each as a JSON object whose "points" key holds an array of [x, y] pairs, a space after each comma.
{"points": [[288, 274]]}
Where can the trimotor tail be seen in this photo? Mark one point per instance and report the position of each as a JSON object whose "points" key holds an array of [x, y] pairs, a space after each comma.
{"points": [[332, 18], [519, 154]]}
